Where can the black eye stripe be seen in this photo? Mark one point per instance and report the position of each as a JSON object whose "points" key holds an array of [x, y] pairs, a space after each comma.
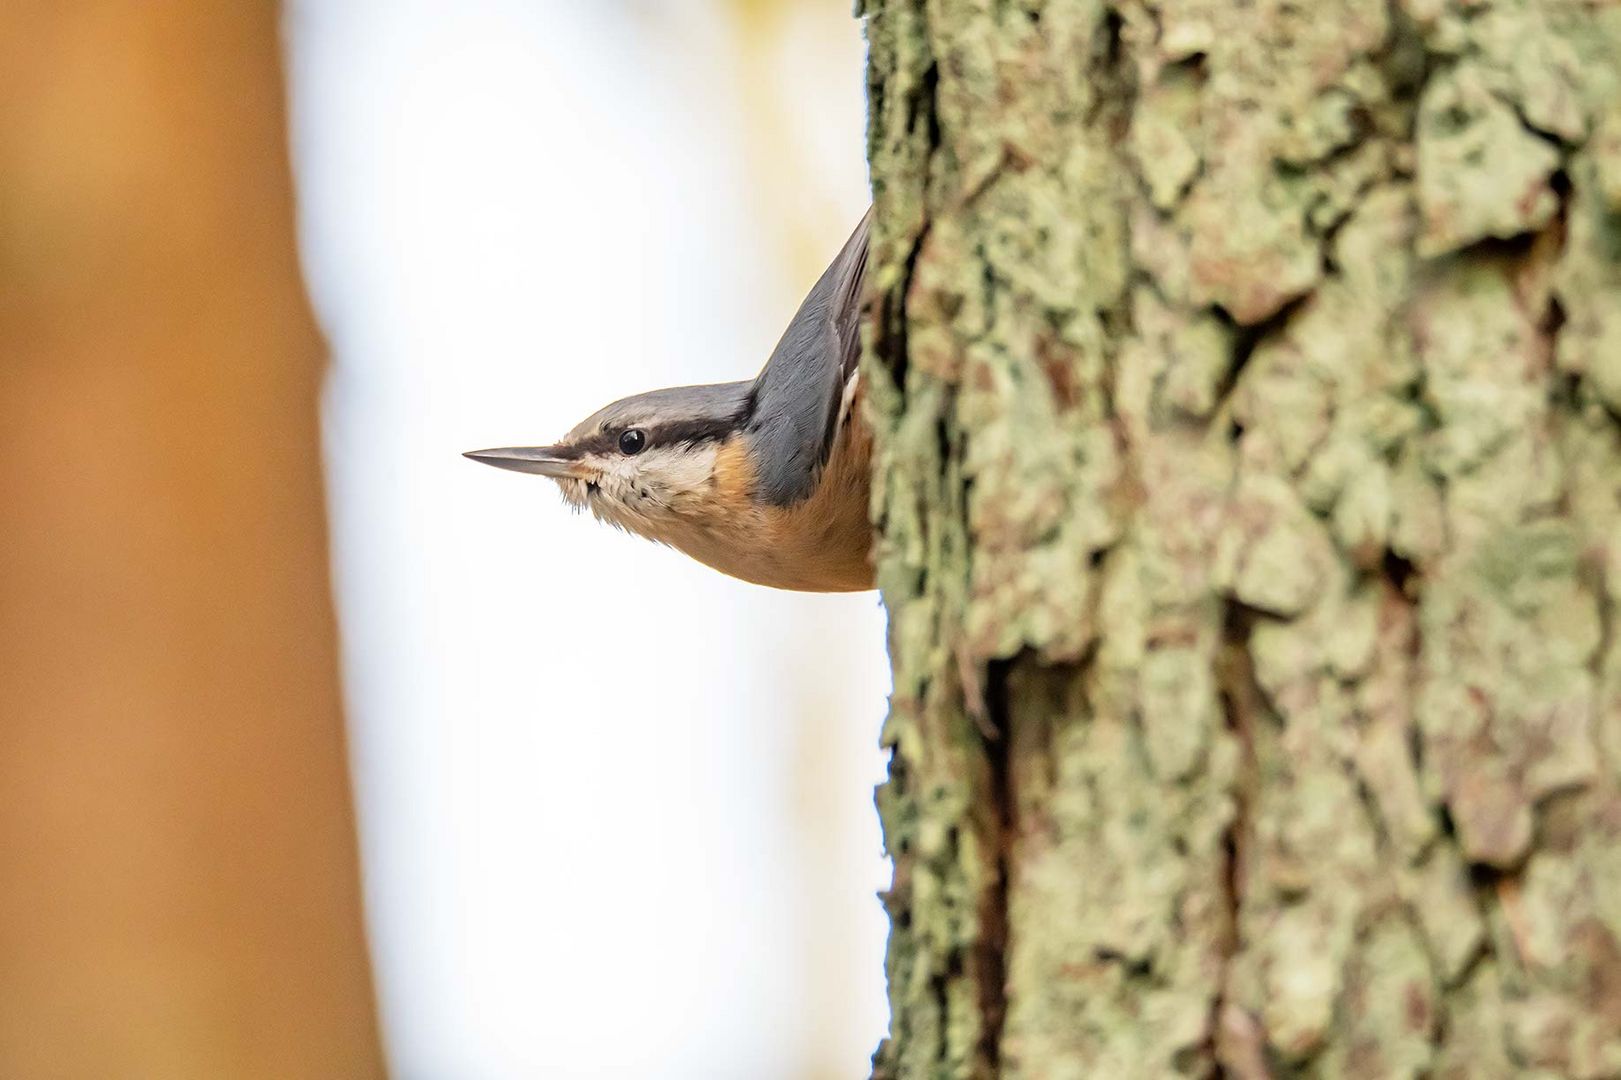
{"points": [[672, 433], [691, 431]]}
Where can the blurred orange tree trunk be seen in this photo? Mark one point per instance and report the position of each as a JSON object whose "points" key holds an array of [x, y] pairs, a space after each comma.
{"points": [[1248, 402], [178, 882]]}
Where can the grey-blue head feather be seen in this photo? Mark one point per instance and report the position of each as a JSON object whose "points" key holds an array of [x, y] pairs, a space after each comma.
{"points": [[678, 413]]}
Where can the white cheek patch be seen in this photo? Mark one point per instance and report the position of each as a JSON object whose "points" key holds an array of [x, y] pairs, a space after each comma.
{"points": [[682, 470], [641, 492]]}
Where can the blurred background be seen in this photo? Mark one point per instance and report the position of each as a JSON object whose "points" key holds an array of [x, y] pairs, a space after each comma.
{"points": [[614, 810]]}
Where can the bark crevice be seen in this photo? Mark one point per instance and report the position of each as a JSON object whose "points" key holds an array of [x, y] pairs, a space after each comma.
{"points": [[995, 926], [1234, 1033]]}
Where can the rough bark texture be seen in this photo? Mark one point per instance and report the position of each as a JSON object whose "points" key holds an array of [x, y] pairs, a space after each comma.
{"points": [[179, 895], [1247, 386]]}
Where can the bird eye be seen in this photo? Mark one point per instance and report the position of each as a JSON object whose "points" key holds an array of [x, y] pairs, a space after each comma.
{"points": [[633, 441]]}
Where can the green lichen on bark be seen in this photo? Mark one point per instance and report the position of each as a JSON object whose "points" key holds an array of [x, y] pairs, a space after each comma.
{"points": [[1246, 381]]}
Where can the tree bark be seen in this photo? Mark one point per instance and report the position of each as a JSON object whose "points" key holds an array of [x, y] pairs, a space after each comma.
{"points": [[1247, 390], [179, 895]]}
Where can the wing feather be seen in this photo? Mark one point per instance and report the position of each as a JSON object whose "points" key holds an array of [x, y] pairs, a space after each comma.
{"points": [[800, 399]]}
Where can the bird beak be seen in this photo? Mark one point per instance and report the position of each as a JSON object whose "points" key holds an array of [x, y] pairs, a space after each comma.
{"points": [[541, 460]]}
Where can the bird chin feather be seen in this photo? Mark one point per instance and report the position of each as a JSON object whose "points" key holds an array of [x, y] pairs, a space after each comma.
{"points": [[576, 492], [587, 493], [643, 496]]}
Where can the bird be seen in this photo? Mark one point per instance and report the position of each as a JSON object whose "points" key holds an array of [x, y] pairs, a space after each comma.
{"points": [[765, 479]]}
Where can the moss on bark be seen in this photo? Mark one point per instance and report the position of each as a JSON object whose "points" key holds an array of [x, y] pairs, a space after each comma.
{"points": [[1246, 379]]}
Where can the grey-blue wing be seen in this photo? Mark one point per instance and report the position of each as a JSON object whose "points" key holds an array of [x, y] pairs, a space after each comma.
{"points": [[797, 397]]}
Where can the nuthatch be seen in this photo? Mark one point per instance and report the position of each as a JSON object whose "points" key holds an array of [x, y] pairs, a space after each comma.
{"points": [[764, 479]]}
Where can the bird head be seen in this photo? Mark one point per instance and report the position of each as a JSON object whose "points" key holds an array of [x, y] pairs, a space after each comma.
{"points": [[646, 463]]}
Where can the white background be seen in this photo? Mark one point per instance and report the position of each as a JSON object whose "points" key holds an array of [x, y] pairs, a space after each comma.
{"points": [[615, 808]]}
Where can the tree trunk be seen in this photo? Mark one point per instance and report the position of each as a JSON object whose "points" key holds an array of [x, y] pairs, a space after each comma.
{"points": [[179, 896], [1247, 387]]}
